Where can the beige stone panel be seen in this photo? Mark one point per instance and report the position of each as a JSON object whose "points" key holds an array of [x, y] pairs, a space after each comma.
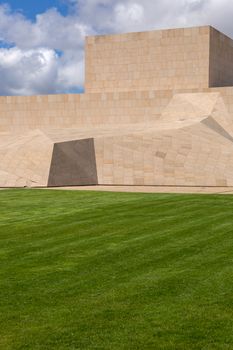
{"points": [[166, 127], [118, 108], [189, 146], [191, 169], [221, 58], [165, 59], [27, 159], [93, 110]]}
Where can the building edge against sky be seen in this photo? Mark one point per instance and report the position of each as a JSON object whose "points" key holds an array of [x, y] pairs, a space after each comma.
{"points": [[157, 110], [197, 57]]}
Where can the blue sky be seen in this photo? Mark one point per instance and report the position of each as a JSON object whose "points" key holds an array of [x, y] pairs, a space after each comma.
{"points": [[42, 41], [30, 8]]}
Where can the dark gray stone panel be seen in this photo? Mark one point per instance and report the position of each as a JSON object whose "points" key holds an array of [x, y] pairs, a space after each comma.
{"points": [[73, 164]]}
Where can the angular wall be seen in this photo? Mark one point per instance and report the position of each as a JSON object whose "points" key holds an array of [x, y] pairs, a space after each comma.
{"points": [[157, 60], [73, 164], [190, 145], [51, 112], [153, 120], [221, 59]]}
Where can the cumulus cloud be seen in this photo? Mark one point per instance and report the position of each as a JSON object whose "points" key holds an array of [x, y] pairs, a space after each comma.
{"points": [[39, 71], [120, 15], [128, 15], [51, 30], [27, 71], [47, 55]]}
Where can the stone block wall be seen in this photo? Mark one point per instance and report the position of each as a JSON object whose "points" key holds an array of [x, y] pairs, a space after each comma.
{"points": [[157, 60], [221, 59]]}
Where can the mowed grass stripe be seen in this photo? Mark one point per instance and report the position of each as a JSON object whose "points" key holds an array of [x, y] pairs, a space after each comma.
{"points": [[90, 270]]}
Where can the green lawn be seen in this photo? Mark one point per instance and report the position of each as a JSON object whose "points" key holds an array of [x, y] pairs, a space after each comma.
{"points": [[92, 270]]}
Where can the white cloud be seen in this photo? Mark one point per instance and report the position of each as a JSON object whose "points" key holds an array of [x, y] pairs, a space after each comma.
{"points": [[27, 71], [127, 15], [51, 29], [46, 56], [38, 71], [71, 71]]}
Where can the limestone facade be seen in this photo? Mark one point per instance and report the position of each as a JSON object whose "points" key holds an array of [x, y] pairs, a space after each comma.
{"points": [[198, 57], [158, 110]]}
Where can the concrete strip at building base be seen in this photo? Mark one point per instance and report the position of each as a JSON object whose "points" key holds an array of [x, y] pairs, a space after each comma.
{"points": [[139, 189], [150, 189], [158, 111]]}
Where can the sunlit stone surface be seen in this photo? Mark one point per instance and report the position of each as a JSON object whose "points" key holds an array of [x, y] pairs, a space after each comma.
{"points": [[158, 110]]}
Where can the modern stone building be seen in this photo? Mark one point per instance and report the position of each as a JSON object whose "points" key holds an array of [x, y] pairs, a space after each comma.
{"points": [[157, 110]]}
